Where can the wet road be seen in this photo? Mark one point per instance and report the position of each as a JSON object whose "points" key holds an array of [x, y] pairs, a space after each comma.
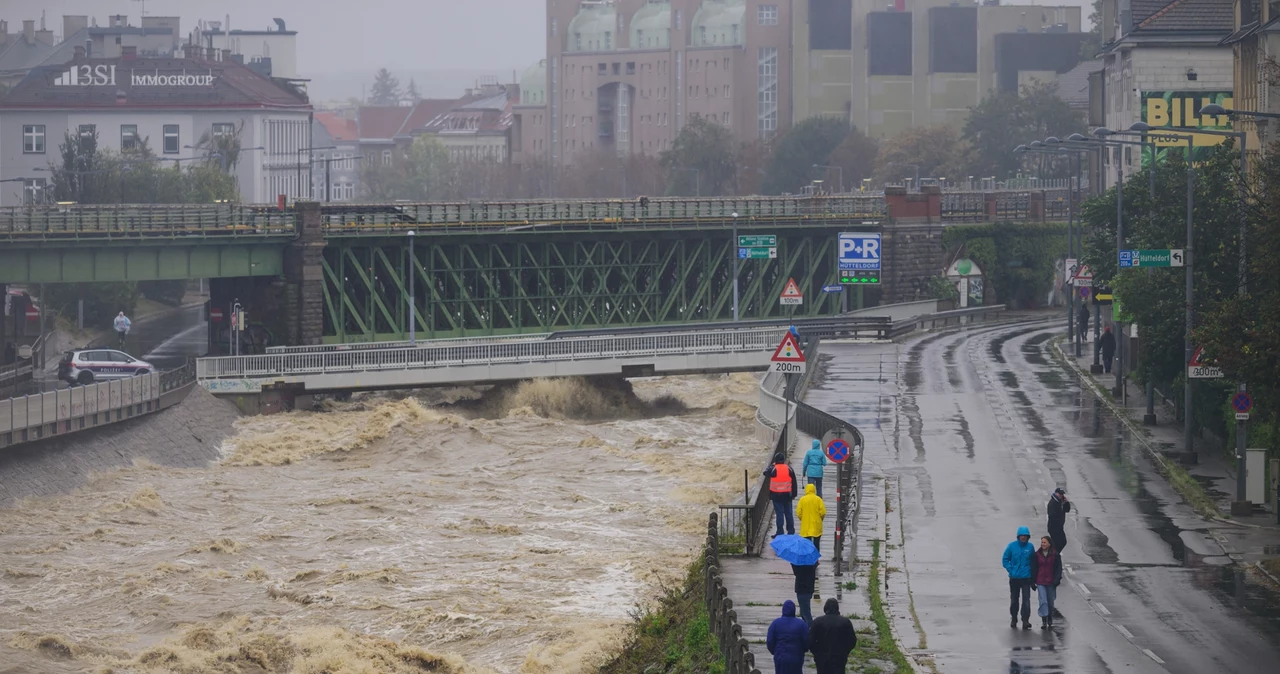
{"points": [[973, 430]]}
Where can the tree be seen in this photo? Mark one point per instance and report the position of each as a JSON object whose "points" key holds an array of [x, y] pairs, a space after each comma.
{"points": [[856, 157], [701, 160], [423, 173], [932, 151], [1092, 43], [88, 175], [412, 92], [386, 89], [1002, 121], [808, 143], [222, 149]]}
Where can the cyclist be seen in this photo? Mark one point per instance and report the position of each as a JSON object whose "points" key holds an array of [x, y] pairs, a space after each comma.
{"points": [[122, 325]]}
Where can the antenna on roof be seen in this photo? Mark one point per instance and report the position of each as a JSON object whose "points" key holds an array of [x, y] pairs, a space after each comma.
{"points": [[142, 7]]}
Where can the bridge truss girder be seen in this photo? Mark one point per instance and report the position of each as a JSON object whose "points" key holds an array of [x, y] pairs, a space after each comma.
{"points": [[490, 285]]}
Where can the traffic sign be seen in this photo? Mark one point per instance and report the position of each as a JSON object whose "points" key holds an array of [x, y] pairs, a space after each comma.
{"points": [[1151, 258], [1242, 402], [832, 288], [757, 253], [1084, 293], [862, 277], [838, 444], [858, 251], [758, 241], [1198, 370], [32, 312], [215, 314], [787, 358], [791, 294], [1083, 276]]}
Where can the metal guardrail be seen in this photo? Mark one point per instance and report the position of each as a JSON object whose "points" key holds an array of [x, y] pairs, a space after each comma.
{"points": [[367, 360], [944, 318], [722, 620], [419, 344], [143, 221]]}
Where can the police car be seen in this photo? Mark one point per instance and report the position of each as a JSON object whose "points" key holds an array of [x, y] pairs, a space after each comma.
{"points": [[90, 365]]}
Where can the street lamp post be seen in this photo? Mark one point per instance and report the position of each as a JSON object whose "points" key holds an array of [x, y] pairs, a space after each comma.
{"points": [[1038, 147], [735, 266], [413, 305], [840, 173], [308, 150]]}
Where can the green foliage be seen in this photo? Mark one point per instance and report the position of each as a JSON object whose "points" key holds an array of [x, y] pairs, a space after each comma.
{"points": [[938, 151], [102, 301], [1002, 121], [856, 156], [939, 288], [165, 292], [673, 635], [385, 90], [423, 173], [805, 144], [88, 175], [412, 94], [1018, 259], [701, 160]]}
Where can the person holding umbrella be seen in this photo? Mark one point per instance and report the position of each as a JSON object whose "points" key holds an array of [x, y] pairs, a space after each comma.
{"points": [[804, 565], [788, 640]]}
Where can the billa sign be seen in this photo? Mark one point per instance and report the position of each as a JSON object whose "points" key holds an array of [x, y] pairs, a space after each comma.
{"points": [[1169, 109]]}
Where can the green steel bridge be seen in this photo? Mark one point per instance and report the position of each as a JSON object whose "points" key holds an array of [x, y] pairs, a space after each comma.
{"points": [[479, 268]]}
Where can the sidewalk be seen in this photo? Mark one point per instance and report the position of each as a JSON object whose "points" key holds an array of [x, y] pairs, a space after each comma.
{"points": [[1246, 540]]}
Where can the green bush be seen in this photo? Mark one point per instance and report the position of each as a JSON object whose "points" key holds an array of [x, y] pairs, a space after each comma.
{"points": [[165, 292], [102, 301]]}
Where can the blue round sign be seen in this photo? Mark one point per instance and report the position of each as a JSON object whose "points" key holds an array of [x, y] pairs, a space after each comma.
{"points": [[837, 450]]}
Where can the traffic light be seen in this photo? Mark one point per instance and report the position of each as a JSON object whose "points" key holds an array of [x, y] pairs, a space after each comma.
{"points": [[860, 277]]}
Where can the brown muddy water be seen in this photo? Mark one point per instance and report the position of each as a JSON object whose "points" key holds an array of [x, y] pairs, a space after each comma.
{"points": [[382, 535]]}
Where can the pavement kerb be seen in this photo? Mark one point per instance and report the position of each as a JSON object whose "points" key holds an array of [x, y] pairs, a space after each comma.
{"points": [[881, 535], [1138, 432], [1265, 572]]}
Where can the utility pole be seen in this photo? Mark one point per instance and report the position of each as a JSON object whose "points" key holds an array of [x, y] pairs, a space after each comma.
{"points": [[1187, 349]]}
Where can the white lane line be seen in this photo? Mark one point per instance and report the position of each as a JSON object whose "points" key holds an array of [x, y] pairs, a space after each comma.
{"points": [[1153, 656], [1071, 570], [1121, 629], [1083, 589], [1101, 609]]}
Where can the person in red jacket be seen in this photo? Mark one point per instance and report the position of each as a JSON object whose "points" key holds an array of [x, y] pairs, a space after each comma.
{"points": [[1046, 575], [782, 490]]}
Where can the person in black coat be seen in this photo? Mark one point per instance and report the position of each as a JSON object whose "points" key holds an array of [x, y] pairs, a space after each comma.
{"points": [[831, 639], [1107, 344], [806, 577], [1082, 322], [1058, 508]]}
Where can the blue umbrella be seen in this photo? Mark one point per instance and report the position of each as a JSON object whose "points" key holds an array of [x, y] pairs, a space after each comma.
{"points": [[795, 549]]}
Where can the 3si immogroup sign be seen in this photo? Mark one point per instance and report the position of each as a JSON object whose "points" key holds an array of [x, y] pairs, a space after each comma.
{"points": [[105, 76]]}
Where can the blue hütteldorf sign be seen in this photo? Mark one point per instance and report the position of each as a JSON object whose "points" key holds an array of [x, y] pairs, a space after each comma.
{"points": [[858, 257]]}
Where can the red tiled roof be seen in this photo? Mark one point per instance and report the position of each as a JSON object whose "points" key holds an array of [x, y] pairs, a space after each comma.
{"points": [[380, 121], [341, 128]]}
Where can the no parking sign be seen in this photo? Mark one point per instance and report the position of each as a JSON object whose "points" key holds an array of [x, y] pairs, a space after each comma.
{"points": [[838, 445]]}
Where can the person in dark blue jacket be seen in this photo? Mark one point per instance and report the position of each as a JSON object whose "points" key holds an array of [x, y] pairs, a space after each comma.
{"points": [[788, 641], [1017, 561]]}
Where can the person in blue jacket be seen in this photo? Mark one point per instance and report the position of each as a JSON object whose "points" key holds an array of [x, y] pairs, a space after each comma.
{"points": [[788, 641], [815, 461], [1017, 561]]}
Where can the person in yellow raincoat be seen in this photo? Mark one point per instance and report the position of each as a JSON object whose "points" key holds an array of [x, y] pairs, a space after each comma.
{"points": [[810, 509]]}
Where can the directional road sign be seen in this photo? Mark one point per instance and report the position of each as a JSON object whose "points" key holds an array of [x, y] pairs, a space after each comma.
{"points": [[757, 253], [832, 288], [791, 294], [838, 445], [1151, 258], [858, 257], [1198, 370], [787, 358], [758, 241]]}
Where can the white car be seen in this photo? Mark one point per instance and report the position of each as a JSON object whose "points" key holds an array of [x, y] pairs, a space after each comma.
{"points": [[89, 365]]}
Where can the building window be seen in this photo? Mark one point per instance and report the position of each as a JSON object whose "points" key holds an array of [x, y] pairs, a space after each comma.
{"points": [[608, 40], [33, 191], [631, 67], [171, 144], [602, 69], [702, 35], [224, 130], [678, 23], [87, 130], [577, 41], [386, 157], [639, 38], [128, 137], [767, 92], [33, 138], [767, 15], [555, 26]]}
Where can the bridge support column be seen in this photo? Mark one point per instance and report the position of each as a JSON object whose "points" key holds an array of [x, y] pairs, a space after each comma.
{"points": [[303, 301]]}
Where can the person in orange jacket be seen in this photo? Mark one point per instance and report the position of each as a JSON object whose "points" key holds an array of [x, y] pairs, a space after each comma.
{"points": [[782, 491]]}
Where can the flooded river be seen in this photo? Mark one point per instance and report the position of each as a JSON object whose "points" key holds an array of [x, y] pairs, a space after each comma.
{"points": [[388, 534]]}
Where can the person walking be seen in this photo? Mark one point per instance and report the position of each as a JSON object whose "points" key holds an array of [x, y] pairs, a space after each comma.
{"points": [[815, 461], [788, 641], [1046, 575], [1107, 344], [782, 491], [1082, 322], [1058, 508], [1017, 561], [806, 580], [122, 325], [831, 639], [810, 509]]}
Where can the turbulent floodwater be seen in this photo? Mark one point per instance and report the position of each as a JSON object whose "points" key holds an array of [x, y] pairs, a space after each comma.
{"points": [[382, 535]]}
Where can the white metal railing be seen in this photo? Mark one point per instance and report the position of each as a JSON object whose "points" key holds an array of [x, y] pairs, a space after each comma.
{"points": [[585, 348], [405, 344], [774, 411]]}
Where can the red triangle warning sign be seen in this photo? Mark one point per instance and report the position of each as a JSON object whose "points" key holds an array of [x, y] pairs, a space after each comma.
{"points": [[792, 290], [1195, 357], [788, 351]]}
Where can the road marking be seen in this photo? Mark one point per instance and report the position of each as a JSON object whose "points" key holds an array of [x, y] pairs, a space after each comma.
{"points": [[1121, 629], [1153, 656], [1083, 589], [1071, 570], [1101, 609]]}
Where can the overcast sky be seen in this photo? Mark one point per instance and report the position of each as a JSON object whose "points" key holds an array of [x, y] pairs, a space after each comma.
{"points": [[348, 35]]}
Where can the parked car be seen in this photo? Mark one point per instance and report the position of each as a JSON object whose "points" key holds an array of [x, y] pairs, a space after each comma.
{"points": [[86, 366]]}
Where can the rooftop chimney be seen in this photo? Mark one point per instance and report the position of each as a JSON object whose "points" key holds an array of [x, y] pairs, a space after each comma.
{"points": [[88, 48], [279, 24], [226, 55], [4, 32], [129, 53], [72, 25], [119, 21], [79, 53], [29, 30]]}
